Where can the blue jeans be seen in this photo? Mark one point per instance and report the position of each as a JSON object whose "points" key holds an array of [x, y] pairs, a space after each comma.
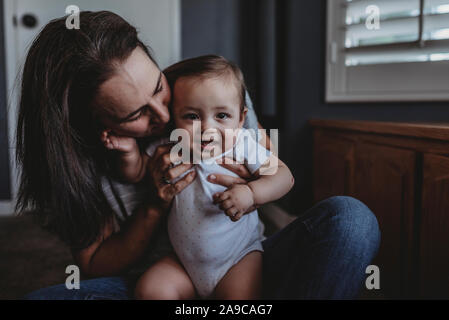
{"points": [[323, 254]]}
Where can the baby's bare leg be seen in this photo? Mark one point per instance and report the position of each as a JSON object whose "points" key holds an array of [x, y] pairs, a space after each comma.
{"points": [[243, 281], [165, 280]]}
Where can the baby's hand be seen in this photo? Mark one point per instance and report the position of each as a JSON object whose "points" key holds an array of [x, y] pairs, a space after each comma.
{"points": [[119, 143], [235, 201]]}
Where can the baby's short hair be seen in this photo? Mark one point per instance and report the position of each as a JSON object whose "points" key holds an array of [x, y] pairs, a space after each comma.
{"points": [[208, 66]]}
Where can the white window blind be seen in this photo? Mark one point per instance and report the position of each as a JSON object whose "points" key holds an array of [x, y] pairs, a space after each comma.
{"points": [[409, 31], [403, 57]]}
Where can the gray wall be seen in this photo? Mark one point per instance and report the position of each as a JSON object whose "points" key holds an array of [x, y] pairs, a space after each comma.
{"points": [[5, 192], [210, 26]]}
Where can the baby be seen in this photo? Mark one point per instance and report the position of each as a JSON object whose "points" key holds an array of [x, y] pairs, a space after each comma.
{"points": [[218, 245]]}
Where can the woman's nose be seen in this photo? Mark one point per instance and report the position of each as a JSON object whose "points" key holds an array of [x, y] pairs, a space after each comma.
{"points": [[160, 112]]}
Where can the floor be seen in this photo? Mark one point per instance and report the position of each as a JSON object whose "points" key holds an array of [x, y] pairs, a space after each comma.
{"points": [[30, 258]]}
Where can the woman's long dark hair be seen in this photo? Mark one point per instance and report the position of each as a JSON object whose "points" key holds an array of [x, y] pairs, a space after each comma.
{"points": [[58, 146]]}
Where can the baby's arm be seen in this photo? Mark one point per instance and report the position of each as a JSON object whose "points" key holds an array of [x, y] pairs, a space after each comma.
{"points": [[274, 182], [131, 162]]}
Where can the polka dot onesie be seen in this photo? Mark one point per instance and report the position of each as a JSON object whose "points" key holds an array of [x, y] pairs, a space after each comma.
{"points": [[205, 240]]}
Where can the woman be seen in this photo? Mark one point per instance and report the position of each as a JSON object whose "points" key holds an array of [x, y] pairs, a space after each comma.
{"points": [[80, 84]]}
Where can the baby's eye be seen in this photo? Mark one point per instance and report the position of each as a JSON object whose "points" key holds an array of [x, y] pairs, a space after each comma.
{"points": [[190, 116], [222, 115]]}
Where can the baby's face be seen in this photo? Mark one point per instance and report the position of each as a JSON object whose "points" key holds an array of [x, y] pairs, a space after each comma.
{"points": [[214, 105]]}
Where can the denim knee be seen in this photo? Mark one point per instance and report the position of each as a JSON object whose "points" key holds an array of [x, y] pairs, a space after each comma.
{"points": [[106, 288], [355, 220]]}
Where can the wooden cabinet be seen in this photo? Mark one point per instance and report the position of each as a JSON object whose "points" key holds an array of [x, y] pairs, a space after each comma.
{"points": [[401, 172], [384, 180], [434, 227], [337, 173]]}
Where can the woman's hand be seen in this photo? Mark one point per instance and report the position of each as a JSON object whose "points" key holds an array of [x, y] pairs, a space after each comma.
{"points": [[163, 171]]}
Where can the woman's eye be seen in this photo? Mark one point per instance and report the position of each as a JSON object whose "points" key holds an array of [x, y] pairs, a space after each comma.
{"points": [[136, 118], [190, 116], [159, 89], [222, 115]]}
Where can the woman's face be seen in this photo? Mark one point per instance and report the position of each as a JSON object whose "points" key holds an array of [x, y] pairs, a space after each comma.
{"points": [[134, 102]]}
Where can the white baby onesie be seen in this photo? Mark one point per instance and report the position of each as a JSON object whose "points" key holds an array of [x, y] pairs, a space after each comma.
{"points": [[204, 238]]}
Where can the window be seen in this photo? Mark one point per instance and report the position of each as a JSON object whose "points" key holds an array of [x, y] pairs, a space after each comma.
{"points": [[387, 50]]}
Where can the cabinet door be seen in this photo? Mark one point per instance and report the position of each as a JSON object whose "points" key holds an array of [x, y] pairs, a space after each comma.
{"points": [[434, 233], [333, 165], [384, 181]]}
